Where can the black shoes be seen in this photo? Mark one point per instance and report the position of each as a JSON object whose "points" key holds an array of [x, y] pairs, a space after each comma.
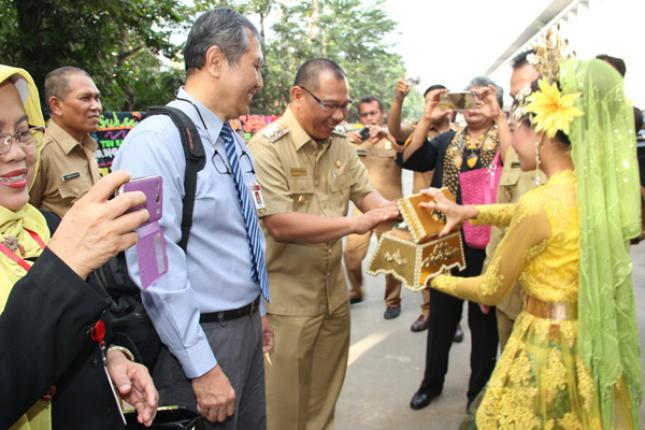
{"points": [[354, 300], [420, 324], [459, 335], [391, 313], [421, 399]]}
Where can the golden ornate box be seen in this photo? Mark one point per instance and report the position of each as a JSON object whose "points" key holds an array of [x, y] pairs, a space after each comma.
{"points": [[422, 223], [412, 263]]}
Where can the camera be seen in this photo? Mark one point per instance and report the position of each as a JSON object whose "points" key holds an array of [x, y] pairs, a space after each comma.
{"points": [[364, 133]]}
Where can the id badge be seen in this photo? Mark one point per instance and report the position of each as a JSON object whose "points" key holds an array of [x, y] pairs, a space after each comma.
{"points": [[256, 195]]}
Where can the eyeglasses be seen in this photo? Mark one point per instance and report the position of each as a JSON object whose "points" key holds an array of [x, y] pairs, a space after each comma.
{"points": [[25, 138], [330, 106], [222, 167]]}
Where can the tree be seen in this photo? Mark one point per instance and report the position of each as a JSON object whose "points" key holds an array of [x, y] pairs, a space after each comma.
{"points": [[118, 42], [350, 32]]}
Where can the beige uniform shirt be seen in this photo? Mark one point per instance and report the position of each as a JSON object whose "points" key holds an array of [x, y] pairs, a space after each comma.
{"points": [[380, 160], [298, 174], [68, 169], [513, 183]]}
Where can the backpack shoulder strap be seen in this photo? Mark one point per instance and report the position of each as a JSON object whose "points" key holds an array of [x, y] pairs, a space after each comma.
{"points": [[195, 161]]}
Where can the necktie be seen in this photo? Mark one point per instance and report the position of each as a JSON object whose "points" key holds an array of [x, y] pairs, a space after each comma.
{"points": [[253, 232]]}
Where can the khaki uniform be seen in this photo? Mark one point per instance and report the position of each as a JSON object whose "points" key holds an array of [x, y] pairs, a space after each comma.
{"points": [[513, 183], [385, 175], [68, 169], [309, 307]]}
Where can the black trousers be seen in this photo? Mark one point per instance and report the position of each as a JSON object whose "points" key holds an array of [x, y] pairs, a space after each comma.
{"points": [[445, 314]]}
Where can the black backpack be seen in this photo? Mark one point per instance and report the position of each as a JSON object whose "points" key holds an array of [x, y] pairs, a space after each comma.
{"points": [[127, 314]]}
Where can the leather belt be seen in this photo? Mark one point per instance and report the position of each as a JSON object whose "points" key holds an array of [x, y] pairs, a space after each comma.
{"points": [[221, 316], [560, 311]]}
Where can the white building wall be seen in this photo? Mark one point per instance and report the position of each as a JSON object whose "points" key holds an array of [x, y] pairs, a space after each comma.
{"points": [[613, 27]]}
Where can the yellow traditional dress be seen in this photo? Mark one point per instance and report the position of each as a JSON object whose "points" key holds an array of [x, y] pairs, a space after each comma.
{"points": [[540, 381]]}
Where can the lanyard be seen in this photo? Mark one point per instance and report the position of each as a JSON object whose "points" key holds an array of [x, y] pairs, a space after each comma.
{"points": [[12, 255]]}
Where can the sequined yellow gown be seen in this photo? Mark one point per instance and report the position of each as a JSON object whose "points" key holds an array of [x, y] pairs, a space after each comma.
{"points": [[539, 382]]}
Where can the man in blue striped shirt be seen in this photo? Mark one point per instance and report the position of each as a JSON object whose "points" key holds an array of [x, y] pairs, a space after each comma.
{"points": [[206, 307]]}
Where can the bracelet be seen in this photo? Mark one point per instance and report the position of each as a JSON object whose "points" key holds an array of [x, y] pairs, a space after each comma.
{"points": [[125, 351]]}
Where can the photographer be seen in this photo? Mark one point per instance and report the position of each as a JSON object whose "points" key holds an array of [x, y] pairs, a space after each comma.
{"points": [[403, 134], [449, 154]]}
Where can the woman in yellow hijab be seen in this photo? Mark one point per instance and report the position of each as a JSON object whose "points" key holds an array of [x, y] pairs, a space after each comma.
{"points": [[46, 307]]}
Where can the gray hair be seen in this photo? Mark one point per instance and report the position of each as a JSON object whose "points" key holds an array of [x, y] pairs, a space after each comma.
{"points": [[57, 82], [484, 81], [222, 27]]}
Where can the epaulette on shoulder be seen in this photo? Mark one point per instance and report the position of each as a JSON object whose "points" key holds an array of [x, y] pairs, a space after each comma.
{"points": [[275, 132], [339, 130]]}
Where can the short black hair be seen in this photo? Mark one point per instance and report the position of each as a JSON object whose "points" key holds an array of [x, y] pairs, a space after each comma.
{"points": [[616, 63], [57, 82], [638, 120], [434, 87], [521, 59], [309, 72], [368, 99], [222, 27]]}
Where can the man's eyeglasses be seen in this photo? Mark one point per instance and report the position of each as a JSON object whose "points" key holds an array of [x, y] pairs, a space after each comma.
{"points": [[222, 167], [25, 138], [330, 106]]}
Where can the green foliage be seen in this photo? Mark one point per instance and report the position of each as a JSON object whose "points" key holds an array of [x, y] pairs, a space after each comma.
{"points": [[349, 32], [116, 41], [120, 42]]}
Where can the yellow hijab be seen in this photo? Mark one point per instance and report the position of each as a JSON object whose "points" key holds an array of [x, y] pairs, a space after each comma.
{"points": [[13, 225]]}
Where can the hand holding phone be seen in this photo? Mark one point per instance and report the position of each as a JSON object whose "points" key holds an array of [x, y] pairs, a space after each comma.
{"points": [[151, 246], [457, 101]]}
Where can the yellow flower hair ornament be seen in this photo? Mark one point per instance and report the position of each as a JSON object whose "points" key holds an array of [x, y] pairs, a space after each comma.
{"points": [[553, 111]]}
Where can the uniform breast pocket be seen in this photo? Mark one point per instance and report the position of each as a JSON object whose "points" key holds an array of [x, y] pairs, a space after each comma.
{"points": [[340, 185], [301, 191], [74, 189], [509, 177]]}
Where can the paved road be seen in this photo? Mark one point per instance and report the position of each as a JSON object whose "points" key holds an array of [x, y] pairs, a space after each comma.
{"points": [[387, 360]]}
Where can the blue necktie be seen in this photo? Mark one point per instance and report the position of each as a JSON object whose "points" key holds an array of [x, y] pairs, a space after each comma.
{"points": [[253, 232]]}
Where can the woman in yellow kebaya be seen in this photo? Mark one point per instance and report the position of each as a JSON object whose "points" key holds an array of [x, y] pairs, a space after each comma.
{"points": [[573, 359]]}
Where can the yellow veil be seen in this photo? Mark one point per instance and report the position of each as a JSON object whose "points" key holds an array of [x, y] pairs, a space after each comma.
{"points": [[13, 224]]}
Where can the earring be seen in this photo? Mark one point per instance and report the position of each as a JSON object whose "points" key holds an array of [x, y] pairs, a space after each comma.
{"points": [[538, 179]]}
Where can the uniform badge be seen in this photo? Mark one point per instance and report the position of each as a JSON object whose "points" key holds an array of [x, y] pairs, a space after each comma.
{"points": [[275, 132], [339, 130]]}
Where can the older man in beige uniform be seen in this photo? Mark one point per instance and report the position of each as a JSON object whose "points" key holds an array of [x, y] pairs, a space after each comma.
{"points": [[377, 151], [513, 184], [308, 173], [68, 166]]}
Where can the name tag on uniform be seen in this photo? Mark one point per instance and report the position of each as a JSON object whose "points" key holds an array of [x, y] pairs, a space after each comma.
{"points": [[70, 176], [256, 194], [515, 165], [298, 171]]}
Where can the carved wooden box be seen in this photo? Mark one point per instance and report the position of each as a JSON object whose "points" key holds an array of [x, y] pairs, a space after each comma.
{"points": [[422, 223], [412, 263]]}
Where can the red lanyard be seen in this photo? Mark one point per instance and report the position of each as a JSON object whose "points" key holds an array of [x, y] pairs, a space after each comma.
{"points": [[12, 255]]}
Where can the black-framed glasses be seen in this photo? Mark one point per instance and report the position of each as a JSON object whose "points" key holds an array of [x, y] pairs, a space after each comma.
{"points": [[25, 138], [222, 167], [330, 106]]}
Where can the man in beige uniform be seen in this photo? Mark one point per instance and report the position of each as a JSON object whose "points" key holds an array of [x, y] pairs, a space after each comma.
{"points": [[513, 183], [420, 179], [68, 166], [378, 152], [308, 173]]}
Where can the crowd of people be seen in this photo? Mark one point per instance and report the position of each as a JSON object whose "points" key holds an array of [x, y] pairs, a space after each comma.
{"points": [[253, 313]]}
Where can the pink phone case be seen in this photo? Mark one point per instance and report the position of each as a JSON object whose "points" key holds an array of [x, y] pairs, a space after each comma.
{"points": [[151, 246]]}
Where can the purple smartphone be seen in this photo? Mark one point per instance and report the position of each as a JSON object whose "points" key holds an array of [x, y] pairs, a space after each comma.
{"points": [[151, 246]]}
